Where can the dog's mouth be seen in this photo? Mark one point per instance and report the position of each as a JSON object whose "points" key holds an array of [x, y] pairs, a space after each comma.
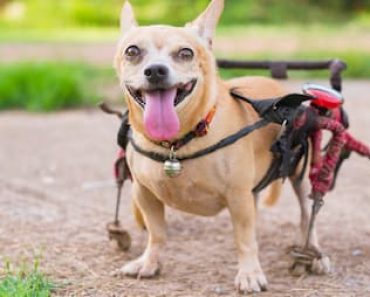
{"points": [[161, 120], [182, 91]]}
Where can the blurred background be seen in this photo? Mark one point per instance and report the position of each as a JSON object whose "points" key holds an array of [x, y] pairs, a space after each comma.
{"points": [[70, 44]]}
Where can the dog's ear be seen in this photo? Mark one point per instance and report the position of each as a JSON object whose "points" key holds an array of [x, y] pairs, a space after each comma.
{"points": [[205, 25], [128, 19]]}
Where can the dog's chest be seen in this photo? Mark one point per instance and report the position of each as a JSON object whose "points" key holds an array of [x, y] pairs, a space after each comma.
{"points": [[199, 189]]}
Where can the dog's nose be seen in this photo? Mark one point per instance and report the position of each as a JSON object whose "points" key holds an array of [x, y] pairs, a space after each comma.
{"points": [[156, 73]]}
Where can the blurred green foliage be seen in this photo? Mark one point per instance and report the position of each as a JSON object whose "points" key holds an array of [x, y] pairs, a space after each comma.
{"points": [[46, 86], [46, 13]]}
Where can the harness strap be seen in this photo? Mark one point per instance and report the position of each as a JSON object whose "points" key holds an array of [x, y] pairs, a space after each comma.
{"points": [[208, 150]]}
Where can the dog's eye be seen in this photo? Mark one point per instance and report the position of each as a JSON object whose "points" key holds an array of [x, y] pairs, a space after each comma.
{"points": [[185, 54], [132, 51]]}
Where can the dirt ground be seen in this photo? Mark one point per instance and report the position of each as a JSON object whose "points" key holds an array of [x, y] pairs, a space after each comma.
{"points": [[57, 194]]}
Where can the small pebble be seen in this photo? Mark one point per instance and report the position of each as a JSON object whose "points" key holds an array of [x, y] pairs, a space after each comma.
{"points": [[357, 253], [219, 290]]}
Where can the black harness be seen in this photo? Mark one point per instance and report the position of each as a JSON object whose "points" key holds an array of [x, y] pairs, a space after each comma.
{"points": [[208, 150], [281, 111]]}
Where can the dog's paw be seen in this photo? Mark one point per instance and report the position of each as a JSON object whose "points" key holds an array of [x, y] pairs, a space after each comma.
{"points": [[141, 268], [250, 282], [321, 265]]}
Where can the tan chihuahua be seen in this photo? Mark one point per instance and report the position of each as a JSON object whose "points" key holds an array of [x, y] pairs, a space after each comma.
{"points": [[170, 80]]}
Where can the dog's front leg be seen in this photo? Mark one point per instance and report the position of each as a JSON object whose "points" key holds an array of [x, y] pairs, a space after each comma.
{"points": [[250, 277], [147, 265]]}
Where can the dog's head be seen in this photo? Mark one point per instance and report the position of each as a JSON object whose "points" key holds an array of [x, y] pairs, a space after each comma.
{"points": [[168, 73]]}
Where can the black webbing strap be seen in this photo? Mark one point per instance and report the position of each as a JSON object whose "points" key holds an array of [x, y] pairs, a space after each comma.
{"points": [[208, 150]]}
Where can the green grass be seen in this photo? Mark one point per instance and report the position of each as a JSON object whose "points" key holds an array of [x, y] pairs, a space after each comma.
{"points": [[47, 86], [25, 282], [46, 13]]}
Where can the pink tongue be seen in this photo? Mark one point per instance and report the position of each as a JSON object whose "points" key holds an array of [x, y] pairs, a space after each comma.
{"points": [[160, 118]]}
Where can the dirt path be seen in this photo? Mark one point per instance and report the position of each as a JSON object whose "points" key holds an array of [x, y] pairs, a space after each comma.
{"points": [[57, 194]]}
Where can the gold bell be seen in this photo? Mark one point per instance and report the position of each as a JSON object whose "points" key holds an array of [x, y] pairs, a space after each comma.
{"points": [[172, 167]]}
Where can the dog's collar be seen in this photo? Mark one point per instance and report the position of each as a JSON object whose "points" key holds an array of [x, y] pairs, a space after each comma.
{"points": [[200, 130]]}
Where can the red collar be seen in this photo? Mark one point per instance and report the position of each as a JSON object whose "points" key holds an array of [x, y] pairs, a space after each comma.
{"points": [[201, 129]]}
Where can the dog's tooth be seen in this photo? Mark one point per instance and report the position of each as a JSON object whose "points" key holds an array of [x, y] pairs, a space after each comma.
{"points": [[188, 86]]}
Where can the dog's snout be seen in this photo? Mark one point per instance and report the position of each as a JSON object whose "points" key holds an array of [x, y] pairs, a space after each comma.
{"points": [[156, 73]]}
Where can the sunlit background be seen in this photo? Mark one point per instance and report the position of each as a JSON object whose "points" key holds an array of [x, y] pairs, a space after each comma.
{"points": [[72, 42]]}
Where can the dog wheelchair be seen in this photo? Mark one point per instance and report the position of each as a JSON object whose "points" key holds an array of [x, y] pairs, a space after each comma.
{"points": [[303, 117]]}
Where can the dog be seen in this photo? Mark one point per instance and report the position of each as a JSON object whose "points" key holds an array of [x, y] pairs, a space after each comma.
{"points": [[170, 81]]}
